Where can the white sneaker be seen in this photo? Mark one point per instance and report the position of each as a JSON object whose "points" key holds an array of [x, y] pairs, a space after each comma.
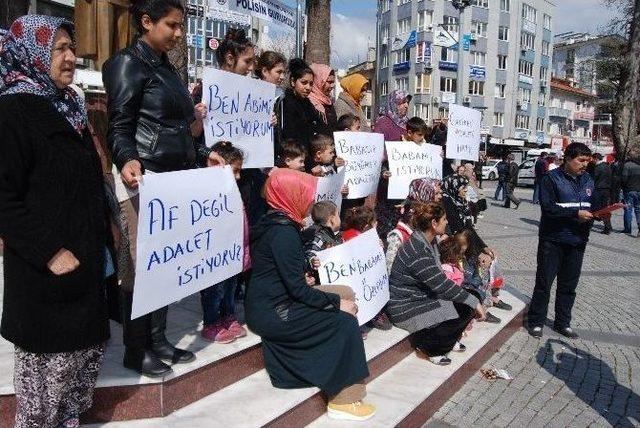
{"points": [[440, 360], [459, 347]]}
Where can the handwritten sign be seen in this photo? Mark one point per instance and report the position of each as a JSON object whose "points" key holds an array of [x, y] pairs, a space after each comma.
{"points": [[360, 264], [463, 133], [363, 153], [190, 235], [329, 188], [239, 110], [408, 161]]}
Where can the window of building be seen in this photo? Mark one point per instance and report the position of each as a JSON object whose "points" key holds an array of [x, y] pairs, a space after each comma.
{"points": [[502, 62], [423, 83], [450, 23], [421, 111], [522, 121], [546, 22], [476, 87], [421, 51], [503, 33], [480, 3], [541, 99], [479, 28], [384, 32], [504, 5], [402, 84], [500, 90], [544, 71], [540, 124], [384, 88], [448, 84], [545, 47], [498, 119], [386, 5], [403, 55], [527, 40], [450, 55], [529, 13], [526, 68], [425, 20], [401, 2], [404, 25], [478, 58], [384, 56], [524, 95], [443, 113]]}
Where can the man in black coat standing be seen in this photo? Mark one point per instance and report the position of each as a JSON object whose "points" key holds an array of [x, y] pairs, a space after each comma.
{"points": [[512, 181], [603, 179]]}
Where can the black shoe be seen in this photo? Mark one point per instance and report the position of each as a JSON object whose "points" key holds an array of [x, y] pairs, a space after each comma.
{"points": [[145, 362], [502, 305], [518, 205], [535, 332], [567, 332], [606, 232], [381, 322], [166, 351], [492, 319]]}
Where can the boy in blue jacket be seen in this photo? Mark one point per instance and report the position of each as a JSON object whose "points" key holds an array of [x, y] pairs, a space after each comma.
{"points": [[566, 195]]}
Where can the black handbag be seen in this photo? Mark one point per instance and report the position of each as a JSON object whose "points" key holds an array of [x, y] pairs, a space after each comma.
{"points": [[482, 205]]}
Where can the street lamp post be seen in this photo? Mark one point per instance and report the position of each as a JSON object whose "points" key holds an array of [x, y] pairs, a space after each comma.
{"points": [[461, 5]]}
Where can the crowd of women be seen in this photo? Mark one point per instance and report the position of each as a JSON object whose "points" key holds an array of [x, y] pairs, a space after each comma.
{"points": [[67, 231]]}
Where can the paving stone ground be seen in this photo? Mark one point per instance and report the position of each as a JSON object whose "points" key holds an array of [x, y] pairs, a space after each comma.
{"points": [[593, 381]]}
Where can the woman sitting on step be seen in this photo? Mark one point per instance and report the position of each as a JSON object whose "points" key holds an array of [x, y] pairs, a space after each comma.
{"points": [[423, 301], [310, 335]]}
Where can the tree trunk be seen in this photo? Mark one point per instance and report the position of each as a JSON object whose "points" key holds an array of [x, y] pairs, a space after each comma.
{"points": [[627, 101], [10, 10], [178, 55], [318, 49]]}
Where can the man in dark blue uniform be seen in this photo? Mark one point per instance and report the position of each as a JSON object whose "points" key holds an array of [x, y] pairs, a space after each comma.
{"points": [[566, 195]]}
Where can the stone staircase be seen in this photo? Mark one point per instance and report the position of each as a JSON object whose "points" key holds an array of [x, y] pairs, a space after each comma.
{"points": [[227, 385]]}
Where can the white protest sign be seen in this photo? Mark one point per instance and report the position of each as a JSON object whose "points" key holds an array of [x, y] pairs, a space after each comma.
{"points": [[408, 161], [359, 263], [190, 235], [463, 133], [329, 188], [239, 110], [363, 153]]}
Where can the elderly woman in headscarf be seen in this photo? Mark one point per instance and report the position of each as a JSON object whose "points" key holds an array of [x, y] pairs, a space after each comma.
{"points": [[310, 335], [421, 190], [54, 224], [392, 121], [354, 88], [321, 96]]}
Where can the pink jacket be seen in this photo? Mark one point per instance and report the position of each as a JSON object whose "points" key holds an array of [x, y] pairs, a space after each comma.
{"points": [[453, 272]]}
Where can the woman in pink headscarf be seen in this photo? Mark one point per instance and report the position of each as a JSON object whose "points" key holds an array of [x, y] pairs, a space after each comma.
{"points": [[321, 97]]}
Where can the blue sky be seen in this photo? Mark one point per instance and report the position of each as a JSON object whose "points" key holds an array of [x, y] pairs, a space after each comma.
{"points": [[353, 24]]}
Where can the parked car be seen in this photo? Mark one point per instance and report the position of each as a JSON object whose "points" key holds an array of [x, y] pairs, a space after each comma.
{"points": [[526, 172], [489, 171]]}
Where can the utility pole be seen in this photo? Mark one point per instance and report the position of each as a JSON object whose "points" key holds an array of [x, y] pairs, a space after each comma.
{"points": [[461, 5]]}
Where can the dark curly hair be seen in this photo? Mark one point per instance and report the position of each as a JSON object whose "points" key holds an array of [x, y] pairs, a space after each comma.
{"points": [[235, 42]]}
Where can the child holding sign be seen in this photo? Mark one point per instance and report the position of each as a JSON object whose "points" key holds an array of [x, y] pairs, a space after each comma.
{"points": [[292, 155], [323, 234], [323, 156], [388, 210], [220, 323]]}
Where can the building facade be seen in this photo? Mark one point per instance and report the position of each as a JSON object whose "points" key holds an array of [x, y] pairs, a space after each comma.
{"points": [[504, 69], [571, 112]]}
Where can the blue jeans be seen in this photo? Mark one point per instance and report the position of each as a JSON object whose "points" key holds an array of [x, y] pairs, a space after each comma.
{"points": [[632, 202], [500, 191], [219, 300]]}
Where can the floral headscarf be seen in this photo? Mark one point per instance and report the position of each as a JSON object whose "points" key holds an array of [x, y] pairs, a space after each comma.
{"points": [[423, 189], [390, 110], [291, 192], [451, 186], [321, 73], [25, 60]]}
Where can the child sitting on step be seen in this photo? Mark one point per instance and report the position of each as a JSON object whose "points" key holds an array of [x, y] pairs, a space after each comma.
{"points": [[322, 234]]}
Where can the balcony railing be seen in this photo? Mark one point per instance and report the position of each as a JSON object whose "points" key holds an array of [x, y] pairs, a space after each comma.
{"points": [[583, 115], [559, 112]]}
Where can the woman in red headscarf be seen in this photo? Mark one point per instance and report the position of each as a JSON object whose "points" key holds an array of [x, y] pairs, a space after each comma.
{"points": [[309, 337]]}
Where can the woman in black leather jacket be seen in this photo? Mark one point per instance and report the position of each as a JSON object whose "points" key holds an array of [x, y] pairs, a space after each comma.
{"points": [[152, 122]]}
